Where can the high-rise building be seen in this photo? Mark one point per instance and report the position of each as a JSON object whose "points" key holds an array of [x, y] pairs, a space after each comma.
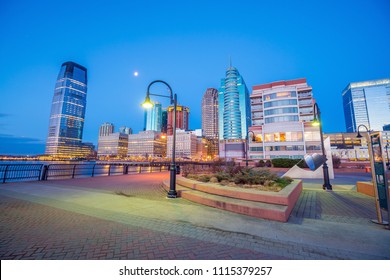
{"points": [[282, 115], [68, 112], [147, 144], [186, 144], [125, 130], [153, 117], [113, 145], [106, 129], [164, 120], [182, 118], [210, 120], [367, 103], [233, 115]]}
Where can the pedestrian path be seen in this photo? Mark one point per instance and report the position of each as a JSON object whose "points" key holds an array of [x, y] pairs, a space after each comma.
{"points": [[129, 217]]}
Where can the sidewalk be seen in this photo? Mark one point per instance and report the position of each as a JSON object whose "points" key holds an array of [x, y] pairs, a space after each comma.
{"points": [[129, 217]]}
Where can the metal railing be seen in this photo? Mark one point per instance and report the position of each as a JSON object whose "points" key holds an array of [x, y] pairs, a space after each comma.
{"points": [[42, 172], [37, 172], [20, 172]]}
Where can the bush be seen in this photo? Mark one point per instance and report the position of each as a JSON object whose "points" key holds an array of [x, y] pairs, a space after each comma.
{"points": [[221, 176], [288, 162], [261, 163], [244, 177], [213, 180], [204, 178], [268, 163]]}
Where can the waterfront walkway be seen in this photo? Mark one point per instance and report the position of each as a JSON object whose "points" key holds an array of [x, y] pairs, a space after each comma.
{"points": [[129, 217]]}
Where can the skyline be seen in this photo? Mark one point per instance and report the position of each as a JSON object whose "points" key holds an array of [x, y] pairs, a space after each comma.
{"points": [[188, 45]]}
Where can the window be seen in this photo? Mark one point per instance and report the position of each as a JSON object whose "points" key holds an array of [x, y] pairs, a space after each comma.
{"points": [[282, 119], [280, 103]]}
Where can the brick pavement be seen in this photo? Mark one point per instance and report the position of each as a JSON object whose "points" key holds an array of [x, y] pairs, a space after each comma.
{"points": [[34, 231], [129, 217]]}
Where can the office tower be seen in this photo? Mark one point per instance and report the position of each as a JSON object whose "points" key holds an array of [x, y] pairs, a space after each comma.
{"points": [[113, 145], [367, 103], [148, 143], [68, 112], [125, 130], [153, 117], [210, 120], [106, 129], [182, 118], [164, 120], [282, 115], [186, 144], [233, 115]]}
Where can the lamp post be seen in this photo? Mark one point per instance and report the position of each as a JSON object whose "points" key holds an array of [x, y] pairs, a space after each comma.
{"points": [[370, 155], [173, 99], [317, 122], [247, 145]]}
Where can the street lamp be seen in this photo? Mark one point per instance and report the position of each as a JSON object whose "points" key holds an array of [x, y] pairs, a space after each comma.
{"points": [[317, 122], [247, 145], [173, 99]]}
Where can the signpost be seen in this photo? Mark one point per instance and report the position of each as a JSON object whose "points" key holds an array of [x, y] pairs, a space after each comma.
{"points": [[380, 181]]}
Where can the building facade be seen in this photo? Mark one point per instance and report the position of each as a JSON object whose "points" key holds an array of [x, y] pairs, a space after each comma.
{"points": [[153, 117], [147, 144], [210, 121], [113, 145], [126, 130], [367, 103], [186, 145], [182, 118], [67, 114], [106, 129], [233, 115], [347, 146], [282, 115]]}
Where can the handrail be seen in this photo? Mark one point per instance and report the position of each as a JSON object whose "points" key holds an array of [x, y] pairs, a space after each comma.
{"points": [[42, 172]]}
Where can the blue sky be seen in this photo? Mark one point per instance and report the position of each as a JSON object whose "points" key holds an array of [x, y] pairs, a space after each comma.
{"points": [[185, 43]]}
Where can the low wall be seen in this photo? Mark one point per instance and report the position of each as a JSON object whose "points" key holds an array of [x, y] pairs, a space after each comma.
{"points": [[262, 204], [366, 188]]}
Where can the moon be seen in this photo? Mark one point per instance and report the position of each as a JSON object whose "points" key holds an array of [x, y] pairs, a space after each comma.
{"points": [[135, 74]]}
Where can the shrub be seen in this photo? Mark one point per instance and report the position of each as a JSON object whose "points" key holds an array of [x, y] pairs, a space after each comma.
{"points": [[204, 178], [221, 176], [213, 180], [244, 177], [268, 163], [261, 163], [288, 162]]}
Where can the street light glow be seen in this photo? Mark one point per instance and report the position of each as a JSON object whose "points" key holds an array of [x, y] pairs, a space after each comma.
{"points": [[315, 122], [147, 103]]}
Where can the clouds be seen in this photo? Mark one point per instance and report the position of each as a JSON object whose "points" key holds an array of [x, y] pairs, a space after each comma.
{"points": [[16, 145]]}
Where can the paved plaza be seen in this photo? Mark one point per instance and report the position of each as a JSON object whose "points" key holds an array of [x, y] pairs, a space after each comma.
{"points": [[129, 217]]}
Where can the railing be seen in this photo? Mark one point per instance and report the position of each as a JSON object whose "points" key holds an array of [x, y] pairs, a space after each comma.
{"points": [[37, 172], [20, 172], [42, 172]]}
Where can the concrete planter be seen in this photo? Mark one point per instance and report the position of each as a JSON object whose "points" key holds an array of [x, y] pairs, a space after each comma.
{"points": [[261, 204]]}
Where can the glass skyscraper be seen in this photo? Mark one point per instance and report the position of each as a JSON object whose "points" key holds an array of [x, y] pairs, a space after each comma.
{"points": [[68, 112], [234, 114], [367, 103], [153, 117]]}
